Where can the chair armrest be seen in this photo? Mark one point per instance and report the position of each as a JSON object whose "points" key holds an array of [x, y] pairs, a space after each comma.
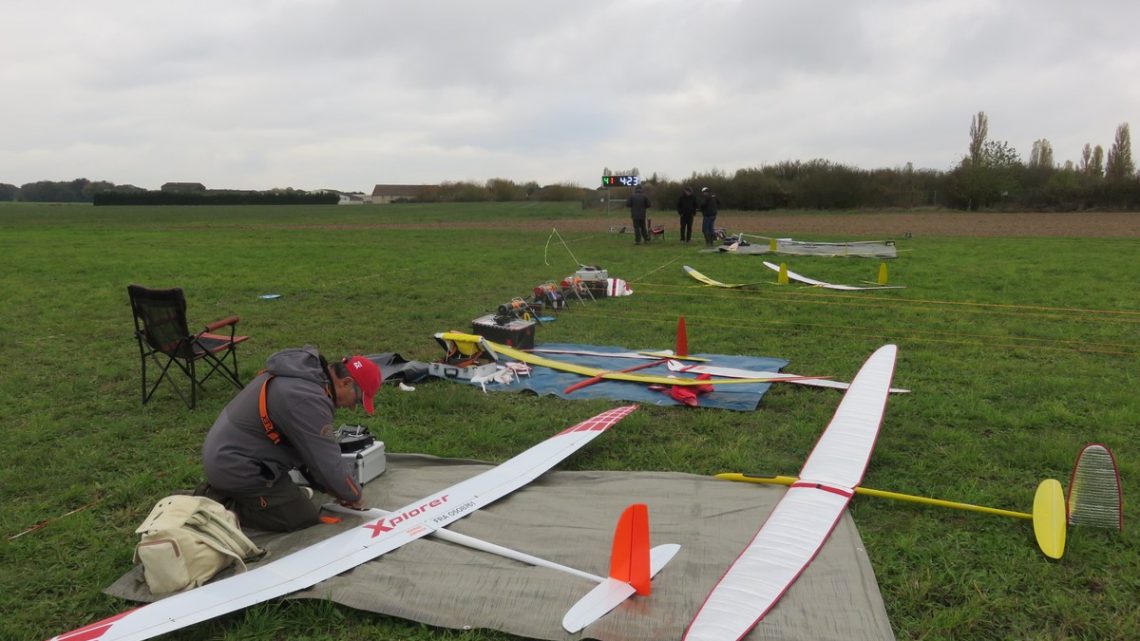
{"points": [[218, 324]]}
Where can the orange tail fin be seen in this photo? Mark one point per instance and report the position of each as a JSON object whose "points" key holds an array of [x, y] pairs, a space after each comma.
{"points": [[682, 338], [629, 560]]}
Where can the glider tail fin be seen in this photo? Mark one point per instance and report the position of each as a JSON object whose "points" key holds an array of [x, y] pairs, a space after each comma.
{"points": [[682, 338], [629, 560], [632, 566]]}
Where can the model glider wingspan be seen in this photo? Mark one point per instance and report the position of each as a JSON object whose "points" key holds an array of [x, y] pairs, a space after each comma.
{"points": [[649, 355], [349, 549], [804, 518], [714, 283], [733, 372], [819, 283], [585, 370]]}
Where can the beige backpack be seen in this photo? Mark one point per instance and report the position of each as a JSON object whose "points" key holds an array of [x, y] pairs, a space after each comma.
{"points": [[186, 540]]}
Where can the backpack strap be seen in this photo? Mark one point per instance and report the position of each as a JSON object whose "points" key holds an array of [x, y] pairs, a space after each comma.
{"points": [[263, 409]]}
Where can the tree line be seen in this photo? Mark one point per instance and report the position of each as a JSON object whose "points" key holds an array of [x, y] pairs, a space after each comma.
{"points": [[990, 175]]}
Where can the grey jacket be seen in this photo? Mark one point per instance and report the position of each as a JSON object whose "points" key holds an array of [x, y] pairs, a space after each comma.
{"points": [[238, 456]]}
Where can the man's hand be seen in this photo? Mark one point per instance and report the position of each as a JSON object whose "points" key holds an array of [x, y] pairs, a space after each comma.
{"points": [[354, 505]]}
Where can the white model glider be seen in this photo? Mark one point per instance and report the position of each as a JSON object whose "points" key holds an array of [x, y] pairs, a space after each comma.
{"points": [[804, 518], [733, 372], [819, 283], [349, 549]]}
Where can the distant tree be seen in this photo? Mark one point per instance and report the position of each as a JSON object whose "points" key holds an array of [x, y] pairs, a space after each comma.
{"points": [[1096, 165], [8, 192], [999, 154], [979, 131], [1042, 155], [48, 191], [503, 190], [1119, 164], [1086, 160]]}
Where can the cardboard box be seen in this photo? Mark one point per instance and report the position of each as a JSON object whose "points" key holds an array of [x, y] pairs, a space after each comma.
{"points": [[515, 333]]}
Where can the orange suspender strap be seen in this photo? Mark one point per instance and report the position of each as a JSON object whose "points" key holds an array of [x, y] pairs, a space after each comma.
{"points": [[270, 430]]}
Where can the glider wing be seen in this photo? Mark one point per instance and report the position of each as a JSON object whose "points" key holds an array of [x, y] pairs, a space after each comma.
{"points": [[733, 372], [713, 283], [349, 549], [804, 518], [585, 370], [819, 283]]}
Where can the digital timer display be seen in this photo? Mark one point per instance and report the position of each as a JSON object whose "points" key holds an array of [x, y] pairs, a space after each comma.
{"points": [[620, 181]]}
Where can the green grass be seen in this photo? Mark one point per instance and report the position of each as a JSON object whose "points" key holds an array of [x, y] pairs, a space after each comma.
{"points": [[1019, 351]]}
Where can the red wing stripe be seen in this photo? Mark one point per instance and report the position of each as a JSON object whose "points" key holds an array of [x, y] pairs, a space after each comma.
{"points": [[601, 422], [841, 491], [93, 631]]}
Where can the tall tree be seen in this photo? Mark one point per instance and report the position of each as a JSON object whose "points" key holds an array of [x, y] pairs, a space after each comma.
{"points": [[1042, 154], [1096, 167], [1086, 159], [979, 130], [1119, 164]]}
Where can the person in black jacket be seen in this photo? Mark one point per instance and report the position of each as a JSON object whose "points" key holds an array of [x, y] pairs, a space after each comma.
{"points": [[687, 210], [638, 204], [709, 207]]}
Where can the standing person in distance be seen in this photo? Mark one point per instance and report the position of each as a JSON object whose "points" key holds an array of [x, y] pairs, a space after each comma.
{"points": [[709, 206], [687, 210], [638, 204]]}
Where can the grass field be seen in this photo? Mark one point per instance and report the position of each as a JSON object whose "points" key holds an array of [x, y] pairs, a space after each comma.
{"points": [[1019, 351]]}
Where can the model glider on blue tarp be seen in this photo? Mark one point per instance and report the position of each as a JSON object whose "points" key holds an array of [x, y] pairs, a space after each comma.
{"points": [[735, 372], [351, 548], [804, 518], [529, 358]]}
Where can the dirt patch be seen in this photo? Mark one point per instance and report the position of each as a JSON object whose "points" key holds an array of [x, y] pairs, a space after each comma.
{"points": [[877, 225], [898, 225]]}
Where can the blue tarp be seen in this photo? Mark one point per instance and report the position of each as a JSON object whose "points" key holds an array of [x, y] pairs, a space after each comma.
{"points": [[740, 397]]}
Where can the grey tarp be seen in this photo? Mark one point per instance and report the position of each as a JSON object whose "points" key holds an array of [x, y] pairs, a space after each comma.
{"points": [[568, 517]]}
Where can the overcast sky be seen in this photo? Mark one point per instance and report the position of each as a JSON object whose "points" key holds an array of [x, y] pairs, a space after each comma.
{"points": [[342, 94]]}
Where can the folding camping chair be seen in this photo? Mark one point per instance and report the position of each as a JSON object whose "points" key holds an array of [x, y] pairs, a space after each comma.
{"points": [[164, 339]]}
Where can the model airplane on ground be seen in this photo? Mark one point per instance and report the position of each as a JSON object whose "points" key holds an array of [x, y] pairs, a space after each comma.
{"points": [[732, 372], [804, 518], [379, 536], [493, 350], [819, 283]]}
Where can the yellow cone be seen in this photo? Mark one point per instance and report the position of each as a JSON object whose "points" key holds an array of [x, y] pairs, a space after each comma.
{"points": [[882, 273], [782, 279], [772, 246]]}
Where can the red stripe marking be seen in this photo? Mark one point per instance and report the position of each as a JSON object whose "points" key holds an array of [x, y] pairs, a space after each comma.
{"points": [[826, 488], [93, 630]]}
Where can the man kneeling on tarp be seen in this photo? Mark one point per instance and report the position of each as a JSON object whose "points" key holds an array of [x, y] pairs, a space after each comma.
{"points": [[284, 420]]}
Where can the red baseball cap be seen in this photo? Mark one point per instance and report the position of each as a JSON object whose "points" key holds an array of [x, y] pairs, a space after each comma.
{"points": [[367, 376]]}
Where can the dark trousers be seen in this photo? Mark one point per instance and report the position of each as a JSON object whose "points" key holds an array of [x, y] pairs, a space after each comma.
{"points": [[282, 507], [640, 231], [708, 227], [686, 227]]}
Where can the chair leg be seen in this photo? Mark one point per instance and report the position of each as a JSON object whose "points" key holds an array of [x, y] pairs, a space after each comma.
{"points": [[193, 383]]}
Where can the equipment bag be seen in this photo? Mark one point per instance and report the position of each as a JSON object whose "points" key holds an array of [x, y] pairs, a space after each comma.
{"points": [[186, 540]]}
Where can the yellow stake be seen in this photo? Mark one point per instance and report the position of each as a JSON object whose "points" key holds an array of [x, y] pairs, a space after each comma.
{"points": [[882, 273], [772, 246], [782, 278]]}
